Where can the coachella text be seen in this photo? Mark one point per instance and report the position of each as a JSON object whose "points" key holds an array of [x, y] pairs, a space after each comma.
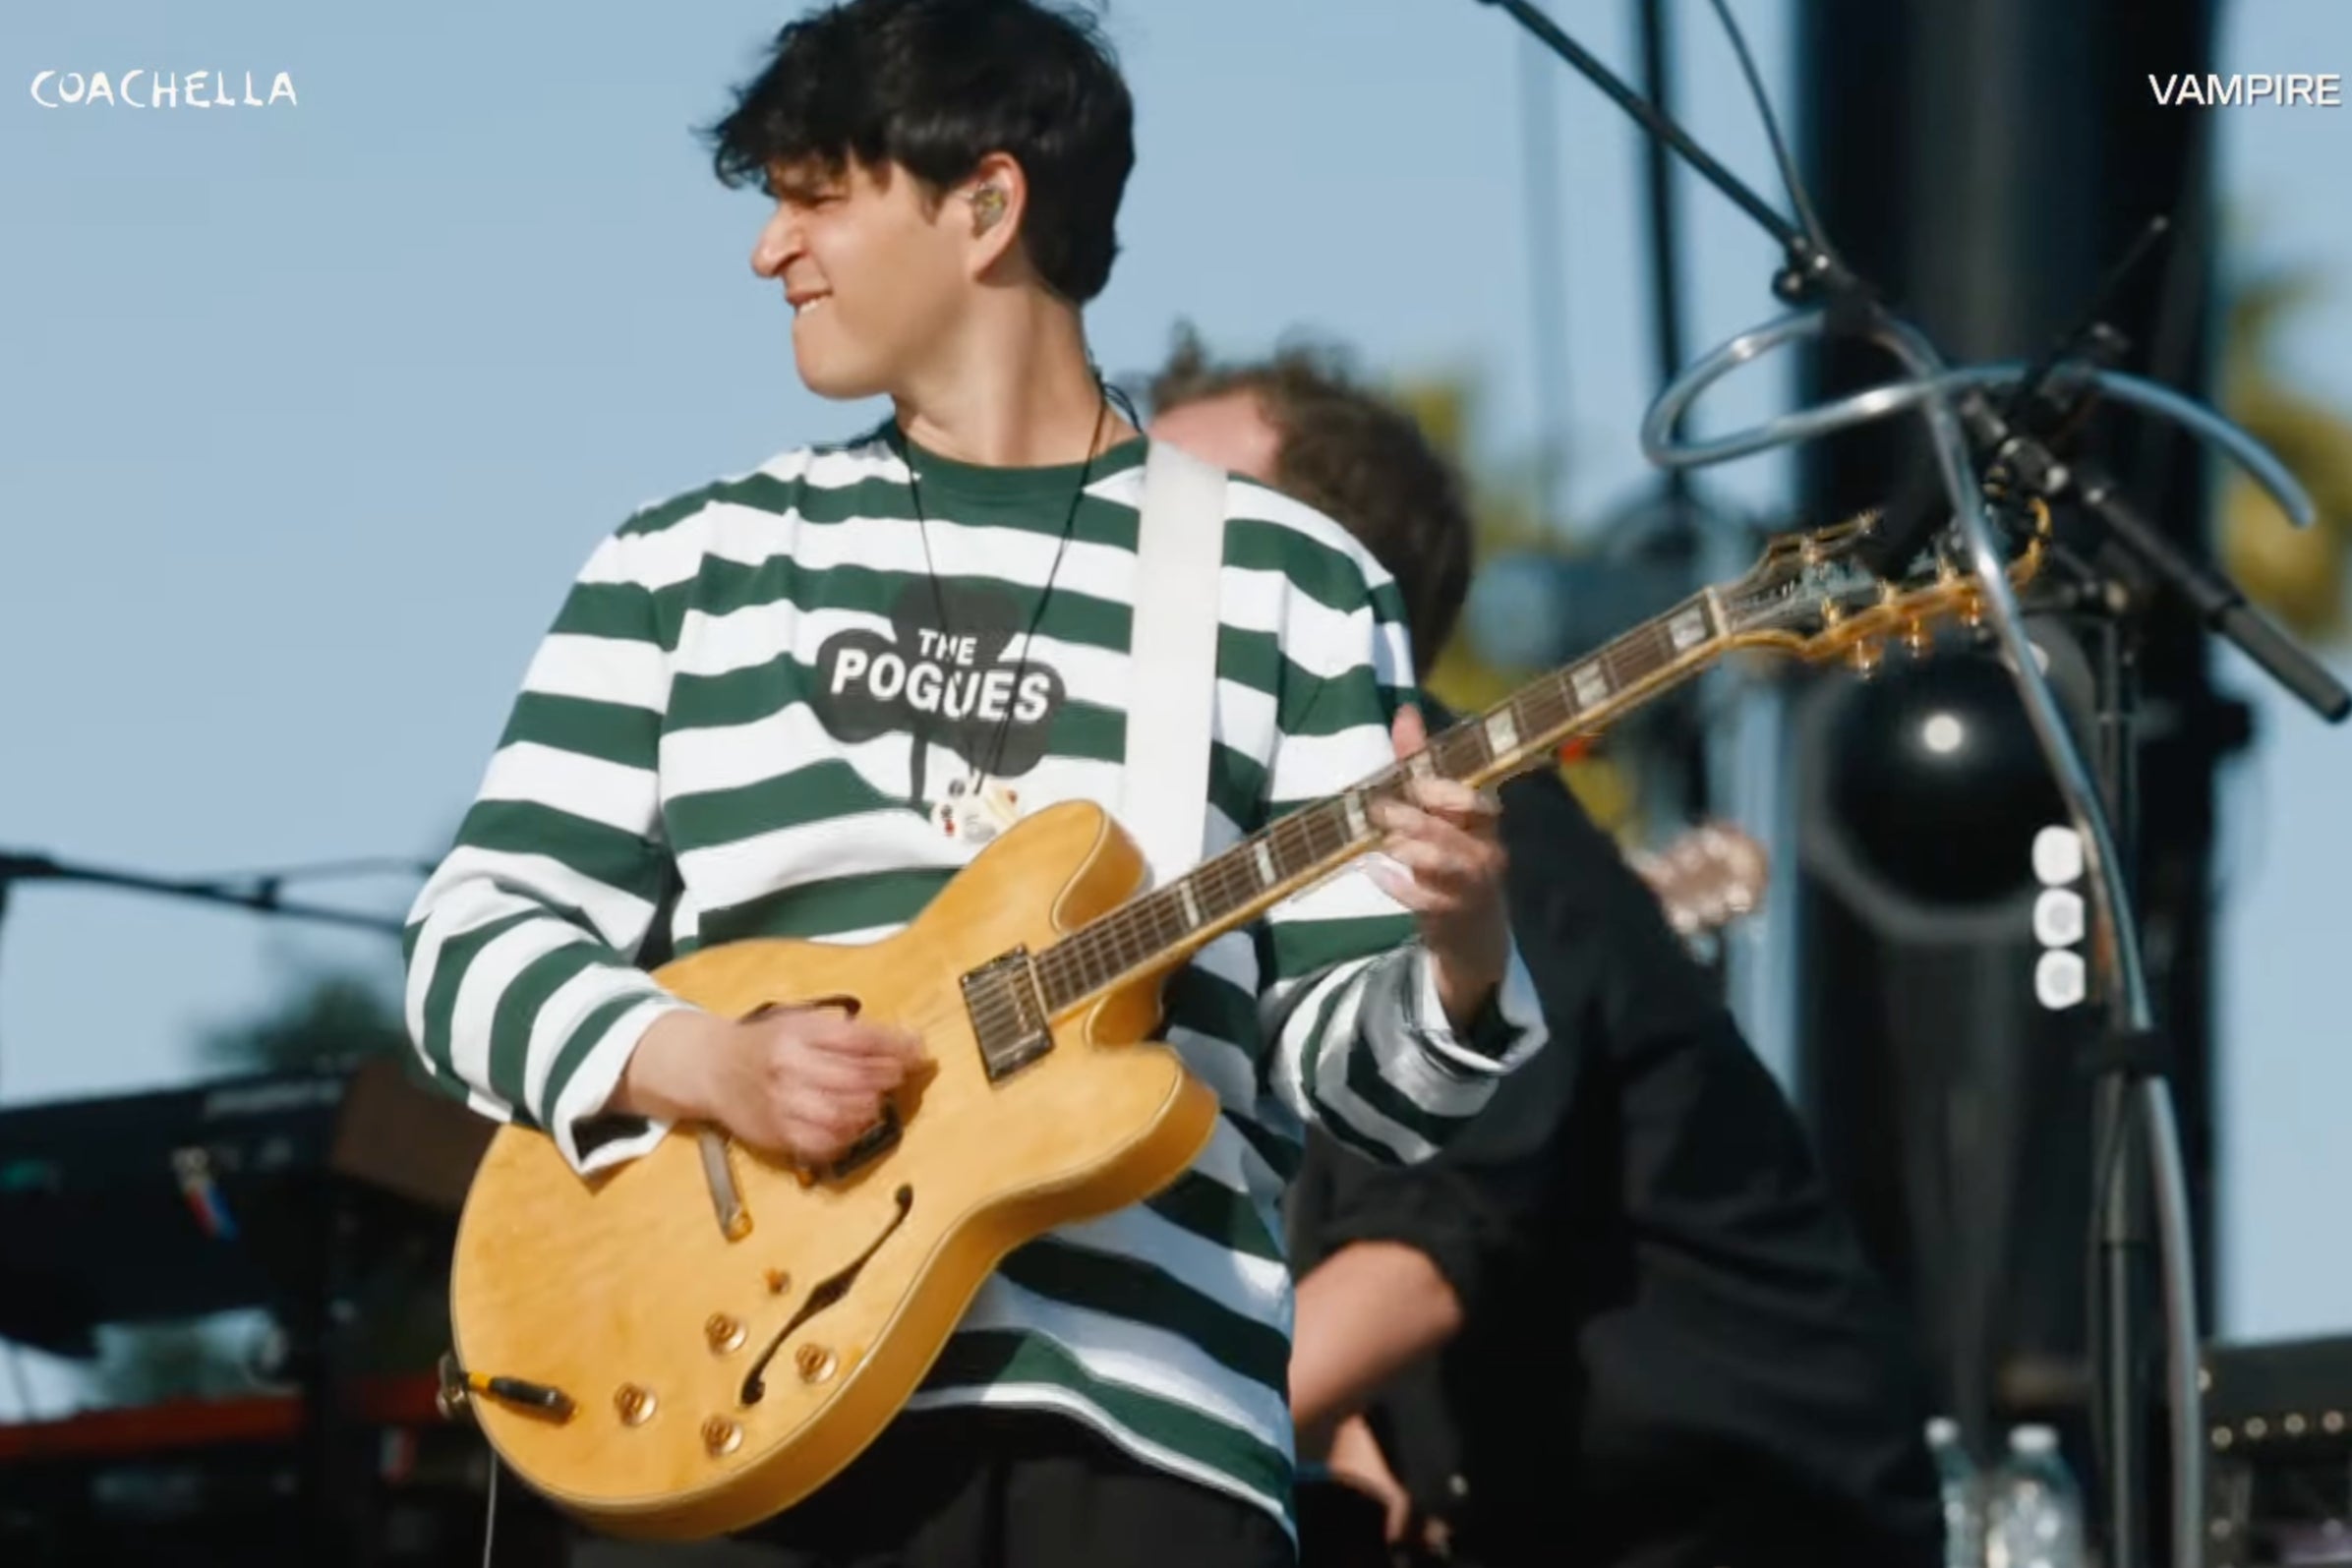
{"points": [[162, 89]]}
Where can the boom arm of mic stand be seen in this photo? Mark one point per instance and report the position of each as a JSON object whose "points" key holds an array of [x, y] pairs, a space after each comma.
{"points": [[42, 868], [1660, 445], [1931, 392], [1811, 270], [2216, 600]]}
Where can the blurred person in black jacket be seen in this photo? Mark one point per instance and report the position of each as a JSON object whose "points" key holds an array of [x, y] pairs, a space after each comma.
{"points": [[1624, 1325]]}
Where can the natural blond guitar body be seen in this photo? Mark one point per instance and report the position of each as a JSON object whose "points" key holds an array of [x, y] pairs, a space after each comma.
{"points": [[622, 1292]]}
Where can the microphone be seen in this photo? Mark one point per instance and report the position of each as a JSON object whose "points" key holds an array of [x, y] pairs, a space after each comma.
{"points": [[1921, 509], [2217, 601]]}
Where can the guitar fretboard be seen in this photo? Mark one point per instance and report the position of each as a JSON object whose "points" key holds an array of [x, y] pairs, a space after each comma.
{"points": [[1233, 886]]}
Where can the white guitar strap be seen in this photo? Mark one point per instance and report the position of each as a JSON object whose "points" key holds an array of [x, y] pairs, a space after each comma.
{"points": [[1172, 653]]}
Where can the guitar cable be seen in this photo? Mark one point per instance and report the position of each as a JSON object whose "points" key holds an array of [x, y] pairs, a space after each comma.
{"points": [[490, 1509]]}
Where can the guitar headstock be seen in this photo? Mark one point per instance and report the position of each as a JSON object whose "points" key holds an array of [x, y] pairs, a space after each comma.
{"points": [[1708, 878], [1810, 596]]}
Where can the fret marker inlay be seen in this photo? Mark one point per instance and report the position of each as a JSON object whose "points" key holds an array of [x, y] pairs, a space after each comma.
{"points": [[1191, 907], [1502, 734], [1591, 685], [1358, 827], [1689, 629], [1266, 864]]}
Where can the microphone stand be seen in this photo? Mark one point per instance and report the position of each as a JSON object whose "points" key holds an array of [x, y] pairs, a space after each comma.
{"points": [[1812, 276], [2132, 1056], [263, 896]]}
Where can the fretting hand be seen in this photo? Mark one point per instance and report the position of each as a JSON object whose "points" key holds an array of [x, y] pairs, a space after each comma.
{"points": [[1445, 862]]}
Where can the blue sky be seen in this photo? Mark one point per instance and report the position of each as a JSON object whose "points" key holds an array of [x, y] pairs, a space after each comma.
{"points": [[310, 412]]}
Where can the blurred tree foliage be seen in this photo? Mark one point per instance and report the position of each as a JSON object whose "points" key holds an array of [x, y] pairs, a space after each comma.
{"points": [[1505, 515], [323, 1015], [2295, 574]]}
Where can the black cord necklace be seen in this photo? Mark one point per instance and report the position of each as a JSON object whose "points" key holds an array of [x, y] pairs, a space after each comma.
{"points": [[983, 768]]}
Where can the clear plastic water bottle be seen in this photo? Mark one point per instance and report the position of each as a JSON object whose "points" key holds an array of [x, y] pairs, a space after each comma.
{"points": [[2033, 1510], [1962, 1488]]}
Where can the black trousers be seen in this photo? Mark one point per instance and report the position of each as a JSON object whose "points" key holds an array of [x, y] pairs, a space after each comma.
{"points": [[989, 1488]]}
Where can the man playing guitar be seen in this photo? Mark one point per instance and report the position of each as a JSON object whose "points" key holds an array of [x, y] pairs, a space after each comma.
{"points": [[801, 697]]}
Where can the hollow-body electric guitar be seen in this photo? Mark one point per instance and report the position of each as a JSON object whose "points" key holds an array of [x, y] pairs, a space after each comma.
{"points": [[700, 1338]]}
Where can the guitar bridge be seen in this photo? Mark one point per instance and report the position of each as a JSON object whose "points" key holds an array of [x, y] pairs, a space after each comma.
{"points": [[1007, 1014], [874, 1142]]}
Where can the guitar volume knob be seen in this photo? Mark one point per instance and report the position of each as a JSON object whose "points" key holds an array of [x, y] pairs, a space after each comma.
{"points": [[636, 1404]]}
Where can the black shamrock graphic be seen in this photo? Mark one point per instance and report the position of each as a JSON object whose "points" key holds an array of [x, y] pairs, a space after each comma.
{"points": [[950, 685]]}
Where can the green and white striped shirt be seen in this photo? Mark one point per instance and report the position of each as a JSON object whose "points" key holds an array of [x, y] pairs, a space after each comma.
{"points": [[748, 689]]}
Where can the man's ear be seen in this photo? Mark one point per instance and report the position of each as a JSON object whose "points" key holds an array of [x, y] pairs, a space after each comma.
{"points": [[996, 200]]}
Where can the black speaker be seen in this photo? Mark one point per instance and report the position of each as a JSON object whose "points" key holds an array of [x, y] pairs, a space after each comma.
{"points": [[1945, 1097]]}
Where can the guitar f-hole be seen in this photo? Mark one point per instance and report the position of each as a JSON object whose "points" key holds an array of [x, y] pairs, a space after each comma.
{"points": [[848, 1004], [828, 1292]]}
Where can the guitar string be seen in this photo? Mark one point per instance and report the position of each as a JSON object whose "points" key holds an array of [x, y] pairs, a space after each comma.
{"points": [[1134, 934], [1120, 937], [1152, 924], [1544, 704], [1647, 649]]}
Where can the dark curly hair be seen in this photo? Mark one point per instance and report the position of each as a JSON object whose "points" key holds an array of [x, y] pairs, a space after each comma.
{"points": [[934, 86], [1357, 458]]}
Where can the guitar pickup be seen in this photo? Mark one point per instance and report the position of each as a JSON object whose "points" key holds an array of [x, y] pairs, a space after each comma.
{"points": [[1007, 1014]]}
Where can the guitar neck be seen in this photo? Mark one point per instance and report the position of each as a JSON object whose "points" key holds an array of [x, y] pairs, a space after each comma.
{"points": [[1159, 929]]}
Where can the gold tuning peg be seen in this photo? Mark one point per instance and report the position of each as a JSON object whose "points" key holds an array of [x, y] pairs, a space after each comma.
{"points": [[1917, 640], [1867, 658]]}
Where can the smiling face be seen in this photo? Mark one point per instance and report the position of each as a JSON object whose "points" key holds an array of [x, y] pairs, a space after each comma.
{"points": [[878, 273]]}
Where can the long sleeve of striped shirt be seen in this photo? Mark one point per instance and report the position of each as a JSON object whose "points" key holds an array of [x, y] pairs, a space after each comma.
{"points": [[1359, 1041], [520, 993]]}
